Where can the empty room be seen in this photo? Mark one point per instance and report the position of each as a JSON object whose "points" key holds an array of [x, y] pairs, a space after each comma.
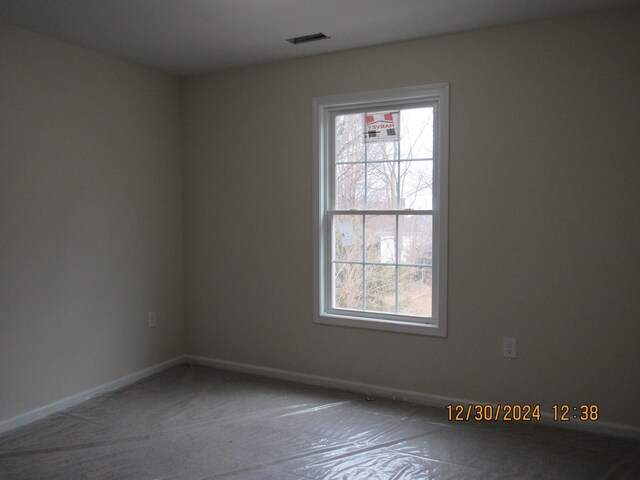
{"points": [[330, 239]]}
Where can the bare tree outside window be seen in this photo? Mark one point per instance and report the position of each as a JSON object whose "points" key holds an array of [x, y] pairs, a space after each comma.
{"points": [[382, 262]]}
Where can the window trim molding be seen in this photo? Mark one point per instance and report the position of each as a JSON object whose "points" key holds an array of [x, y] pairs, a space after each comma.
{"points": [[323, 107]]}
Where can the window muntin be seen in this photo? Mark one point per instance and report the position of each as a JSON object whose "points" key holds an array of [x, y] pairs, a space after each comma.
{"points": [[382, 218]]}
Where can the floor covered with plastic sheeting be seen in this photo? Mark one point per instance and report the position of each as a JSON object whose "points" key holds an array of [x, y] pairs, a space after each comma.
{"points": [[193, 422]]}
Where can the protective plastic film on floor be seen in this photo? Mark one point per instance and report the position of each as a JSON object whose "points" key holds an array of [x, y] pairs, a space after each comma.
{"points": [[197, 423]]}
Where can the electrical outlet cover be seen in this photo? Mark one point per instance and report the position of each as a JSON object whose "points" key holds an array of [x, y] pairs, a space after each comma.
{"points": [[510, 347]]}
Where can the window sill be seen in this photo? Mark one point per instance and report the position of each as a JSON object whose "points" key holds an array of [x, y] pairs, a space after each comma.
{"points": [[383, 325]]}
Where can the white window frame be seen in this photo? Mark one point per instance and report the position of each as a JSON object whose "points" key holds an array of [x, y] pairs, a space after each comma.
{"points": [[324, 110]]}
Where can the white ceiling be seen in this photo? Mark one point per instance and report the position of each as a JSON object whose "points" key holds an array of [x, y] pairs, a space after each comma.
{"points": [[193, 36]]}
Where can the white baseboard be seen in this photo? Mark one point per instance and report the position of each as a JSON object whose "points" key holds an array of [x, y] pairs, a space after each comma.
{"points": [[599, 427], [605, 428], [41, 412]]}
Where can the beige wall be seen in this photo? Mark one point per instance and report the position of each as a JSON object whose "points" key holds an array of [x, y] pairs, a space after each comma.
{"points": [[544, 215], [90, 220]]}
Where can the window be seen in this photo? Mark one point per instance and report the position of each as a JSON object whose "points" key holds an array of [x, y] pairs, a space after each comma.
{"points": [[380, 226]]}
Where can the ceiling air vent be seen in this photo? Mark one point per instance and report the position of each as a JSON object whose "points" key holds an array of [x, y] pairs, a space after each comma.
{"points": [[307, 38]]}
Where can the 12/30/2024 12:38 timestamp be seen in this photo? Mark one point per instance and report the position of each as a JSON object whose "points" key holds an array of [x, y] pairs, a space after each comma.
{"points": [[520, 412]]}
